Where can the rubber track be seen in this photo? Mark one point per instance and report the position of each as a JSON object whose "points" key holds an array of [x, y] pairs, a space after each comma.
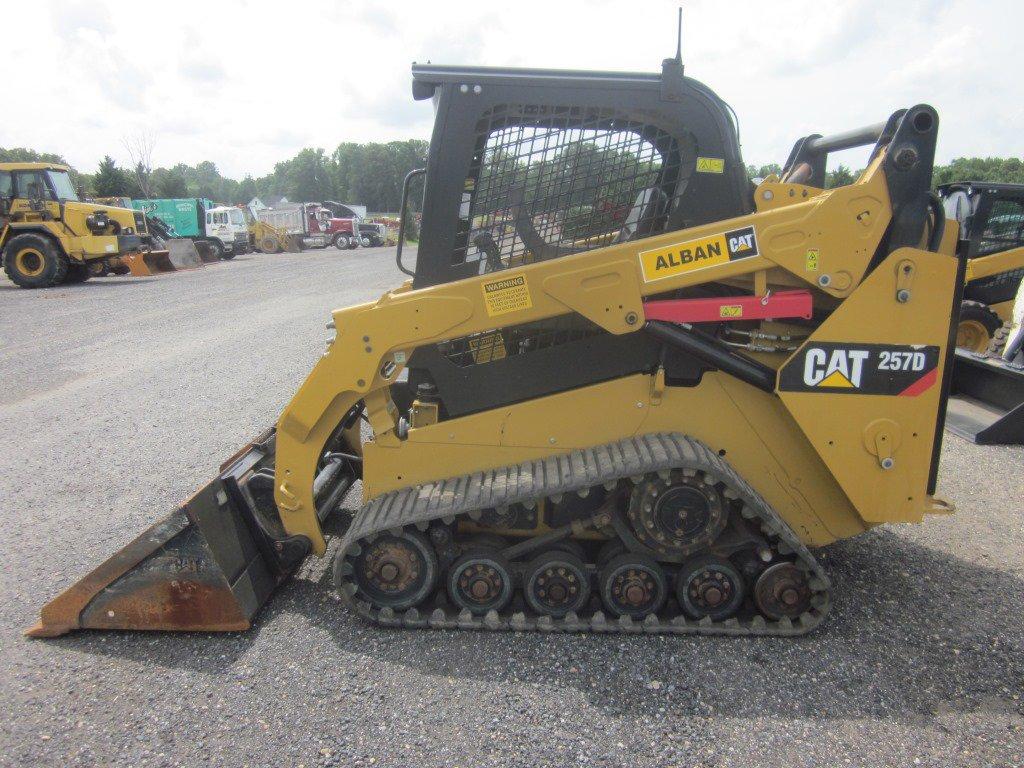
{"points": [[448, 499]]}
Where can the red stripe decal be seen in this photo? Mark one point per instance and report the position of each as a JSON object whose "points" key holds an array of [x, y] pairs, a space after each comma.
{"points": [[921, 385]]}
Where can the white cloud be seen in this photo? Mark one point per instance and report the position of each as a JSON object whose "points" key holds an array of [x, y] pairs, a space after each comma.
{"points": [[249, 83]]}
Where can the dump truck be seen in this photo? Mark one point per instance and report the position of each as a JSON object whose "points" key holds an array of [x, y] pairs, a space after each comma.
{"points": [[304, 223], [622, 389], [991, 218], [222, 228], [49, 236]]}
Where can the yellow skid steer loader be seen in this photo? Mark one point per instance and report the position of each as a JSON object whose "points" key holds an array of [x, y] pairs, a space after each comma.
{"points": [[622, 390]]}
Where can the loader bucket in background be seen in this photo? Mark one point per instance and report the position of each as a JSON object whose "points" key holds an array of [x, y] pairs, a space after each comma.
{"points": [[209, 566], [205, 252], [146, 263], [183, 254], [986, 402]]}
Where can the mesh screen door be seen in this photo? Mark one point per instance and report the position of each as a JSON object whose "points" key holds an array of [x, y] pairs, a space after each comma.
{"points": [[550, 181]]}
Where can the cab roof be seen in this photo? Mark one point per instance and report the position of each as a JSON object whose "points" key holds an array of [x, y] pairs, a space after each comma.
{"points": [[34, 167]]}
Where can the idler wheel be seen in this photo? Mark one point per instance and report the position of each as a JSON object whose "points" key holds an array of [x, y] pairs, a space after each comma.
{"points": [[782, 590], [396, 572], [556, 583], [633, 585], [480, 581], [709, 586], [678, 517]]}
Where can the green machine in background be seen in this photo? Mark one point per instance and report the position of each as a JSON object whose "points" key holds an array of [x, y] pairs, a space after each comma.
{"points": [[222, 227]]}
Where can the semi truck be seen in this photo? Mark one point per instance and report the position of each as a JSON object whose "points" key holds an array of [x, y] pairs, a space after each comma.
{"points": [[222, 228], [356, 229]]}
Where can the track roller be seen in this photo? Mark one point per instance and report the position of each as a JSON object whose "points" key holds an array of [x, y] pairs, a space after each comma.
{"points": [[709, 586], [782, 590], [555, 583], [480, 581], [397, 571], [633, 585]]}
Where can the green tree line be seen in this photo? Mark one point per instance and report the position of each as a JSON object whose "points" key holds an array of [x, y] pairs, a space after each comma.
{"points": [[369, 174], [1003, 170]]}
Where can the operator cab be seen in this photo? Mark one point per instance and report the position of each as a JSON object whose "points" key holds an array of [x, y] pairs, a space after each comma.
{"points": [[529, 164]]}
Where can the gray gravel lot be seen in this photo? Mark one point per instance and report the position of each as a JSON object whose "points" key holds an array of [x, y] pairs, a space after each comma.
{"points": [[121, 396]]}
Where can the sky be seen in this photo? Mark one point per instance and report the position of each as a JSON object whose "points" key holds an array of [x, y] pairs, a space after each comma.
{"points": [[247, 84]]}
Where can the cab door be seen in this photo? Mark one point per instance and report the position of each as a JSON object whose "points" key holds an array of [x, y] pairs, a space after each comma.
{"points": [[6, 183], [32, 198]]}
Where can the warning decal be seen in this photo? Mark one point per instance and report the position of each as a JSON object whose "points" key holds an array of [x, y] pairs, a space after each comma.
{"points": [[861, 369], [509, 294], [697, 254], [730, 310], [710, 165]]}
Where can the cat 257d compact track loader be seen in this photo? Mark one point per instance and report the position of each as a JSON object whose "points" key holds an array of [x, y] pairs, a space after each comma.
{"points": [[623, 390]]}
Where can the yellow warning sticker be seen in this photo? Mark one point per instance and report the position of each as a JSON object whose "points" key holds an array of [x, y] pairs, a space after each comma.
{"points": [[710, 165], [509, 294], [730, 310], [709, 251], [487, 347], [813, 254]]}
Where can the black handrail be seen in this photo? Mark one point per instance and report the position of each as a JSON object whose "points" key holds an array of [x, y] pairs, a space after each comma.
{"points": [[401, 218]]}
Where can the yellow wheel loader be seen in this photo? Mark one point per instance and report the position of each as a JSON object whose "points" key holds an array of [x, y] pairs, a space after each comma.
{"points": [[622, 390], [48, 236], [991, 218]]}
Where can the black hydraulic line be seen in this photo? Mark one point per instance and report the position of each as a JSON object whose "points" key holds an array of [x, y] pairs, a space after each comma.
{"points": [[330, 486], [939, 225], [401, 218], [713, 352]]}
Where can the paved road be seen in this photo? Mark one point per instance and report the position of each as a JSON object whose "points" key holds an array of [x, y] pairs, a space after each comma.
{"points": [[121, 396]]}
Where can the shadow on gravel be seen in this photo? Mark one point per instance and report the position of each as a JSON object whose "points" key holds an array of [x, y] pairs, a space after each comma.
{"points": [[88, 285], [914, 633]]}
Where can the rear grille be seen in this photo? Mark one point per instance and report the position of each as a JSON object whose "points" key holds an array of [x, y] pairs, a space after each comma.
{"points": [[140, 223], [486, 347]]}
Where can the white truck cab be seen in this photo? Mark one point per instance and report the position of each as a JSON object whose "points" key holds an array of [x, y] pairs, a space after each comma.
{"points": [[226, 224]]}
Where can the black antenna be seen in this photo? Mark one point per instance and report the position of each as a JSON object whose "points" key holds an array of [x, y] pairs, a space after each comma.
{"points": [[672, 79], [679, 38]]}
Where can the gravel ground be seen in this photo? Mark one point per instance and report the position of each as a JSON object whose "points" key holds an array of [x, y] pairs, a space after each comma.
{"points": [[121, 396]]}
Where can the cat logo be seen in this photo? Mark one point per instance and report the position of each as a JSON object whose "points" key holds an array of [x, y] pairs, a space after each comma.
{"points": [[691, 255], [742, 243], [842, 368], [851, 368]]}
